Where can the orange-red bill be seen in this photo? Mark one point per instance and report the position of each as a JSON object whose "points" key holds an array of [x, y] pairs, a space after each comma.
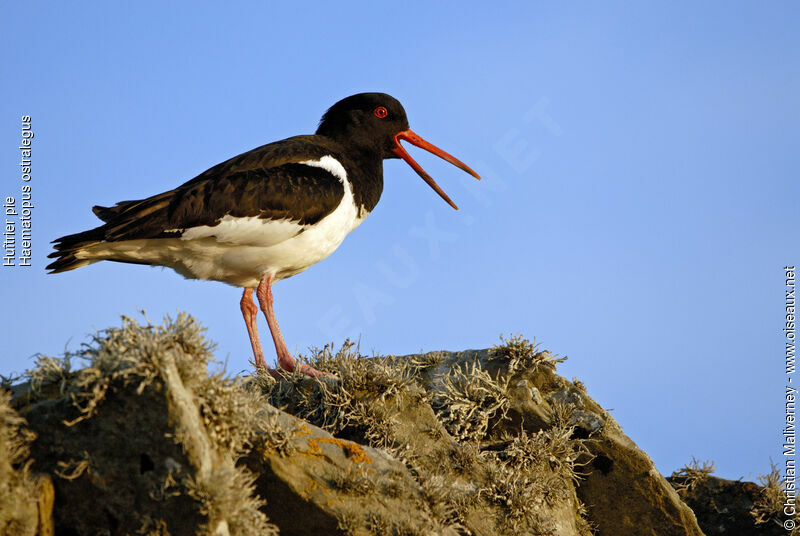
{"points": [[414, 139]]}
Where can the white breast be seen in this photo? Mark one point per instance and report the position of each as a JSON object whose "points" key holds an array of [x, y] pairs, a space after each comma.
{"points": [[312, 243]]}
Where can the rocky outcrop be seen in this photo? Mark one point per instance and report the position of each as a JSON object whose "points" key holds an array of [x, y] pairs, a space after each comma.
{"points": [[26, 501], [617, 483], [734, 506], [141, 439]]}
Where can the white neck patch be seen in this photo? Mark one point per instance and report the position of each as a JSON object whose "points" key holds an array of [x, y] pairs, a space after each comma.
{"points": [[331, 165]]}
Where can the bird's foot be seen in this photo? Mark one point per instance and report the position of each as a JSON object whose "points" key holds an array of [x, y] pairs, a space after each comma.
{"points": [[314, 373], [289, 364]]}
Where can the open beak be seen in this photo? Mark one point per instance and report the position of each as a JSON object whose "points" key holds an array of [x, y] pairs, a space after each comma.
{"points": [[413, 139]]}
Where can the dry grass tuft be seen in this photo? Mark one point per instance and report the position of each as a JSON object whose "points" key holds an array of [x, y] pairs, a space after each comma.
{"points": [[549, 452], [520, 354], [769, 506], [120, 357], [470, 400], [427, 360], [691, 475], [358, 482]]}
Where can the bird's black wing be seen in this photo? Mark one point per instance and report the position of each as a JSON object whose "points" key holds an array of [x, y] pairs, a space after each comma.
{"points": [[269, 182], [295, 192]]}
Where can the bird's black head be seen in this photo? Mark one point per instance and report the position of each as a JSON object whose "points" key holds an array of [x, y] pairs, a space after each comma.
{"points": [[366, 120], [375, 123]]}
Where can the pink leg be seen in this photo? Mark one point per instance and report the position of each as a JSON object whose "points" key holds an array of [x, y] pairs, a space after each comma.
{"points": [[250, 314], [285, 359]]}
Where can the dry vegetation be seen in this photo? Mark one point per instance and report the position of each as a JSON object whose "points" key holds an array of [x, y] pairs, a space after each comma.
{"points": [[768, 508], [694, 473], [516, 477], [141, 438]]}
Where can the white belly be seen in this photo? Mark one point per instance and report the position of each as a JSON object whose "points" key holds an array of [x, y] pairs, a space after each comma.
{"points": [[240, 251]]}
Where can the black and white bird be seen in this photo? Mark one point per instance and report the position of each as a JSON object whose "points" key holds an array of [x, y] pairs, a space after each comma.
{"points": [[264, 215]]}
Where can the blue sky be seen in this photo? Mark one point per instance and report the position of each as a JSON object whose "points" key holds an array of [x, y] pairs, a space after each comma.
{"points": [[639, 202]]}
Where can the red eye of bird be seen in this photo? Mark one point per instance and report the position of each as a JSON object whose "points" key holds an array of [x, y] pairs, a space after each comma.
{"points": [[380, 112]]}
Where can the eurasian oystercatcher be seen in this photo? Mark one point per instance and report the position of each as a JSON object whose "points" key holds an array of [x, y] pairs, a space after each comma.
{"points": [[264, 215]]}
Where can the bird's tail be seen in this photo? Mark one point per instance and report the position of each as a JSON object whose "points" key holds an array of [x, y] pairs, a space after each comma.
{"points": [[70, 250]]}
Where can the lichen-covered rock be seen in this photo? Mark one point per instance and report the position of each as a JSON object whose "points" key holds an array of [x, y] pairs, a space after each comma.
{"points": [[320, 484], [143, 440], [480, 473], [618, 484]]}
